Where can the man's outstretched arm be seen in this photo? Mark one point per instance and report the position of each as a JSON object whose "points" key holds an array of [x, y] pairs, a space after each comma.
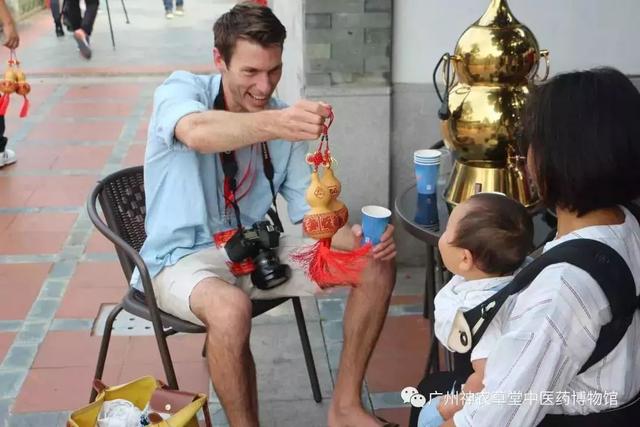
{"points": [[216, 131]]}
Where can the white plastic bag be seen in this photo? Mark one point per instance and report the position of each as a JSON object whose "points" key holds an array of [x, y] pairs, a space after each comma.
{"points": [[119, 413]]}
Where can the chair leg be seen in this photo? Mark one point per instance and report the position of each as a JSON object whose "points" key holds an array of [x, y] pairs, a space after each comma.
{"points": [[433, 364], [126, 15], [104, 347], [165, 356], [306, 348], [113, 40]]}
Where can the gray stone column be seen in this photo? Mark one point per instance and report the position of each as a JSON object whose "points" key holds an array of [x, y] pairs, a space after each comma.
{"points": [[347, 41], [348, 64]]}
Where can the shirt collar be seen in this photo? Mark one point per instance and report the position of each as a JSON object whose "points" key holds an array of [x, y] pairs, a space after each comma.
{"points": [[594, 231], [490, 283]]}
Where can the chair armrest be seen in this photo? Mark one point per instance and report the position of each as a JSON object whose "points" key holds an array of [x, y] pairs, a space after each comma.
{"points": [[149, 294]]}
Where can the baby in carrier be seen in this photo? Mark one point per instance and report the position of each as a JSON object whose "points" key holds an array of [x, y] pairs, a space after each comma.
{"points": [[487, 239]]}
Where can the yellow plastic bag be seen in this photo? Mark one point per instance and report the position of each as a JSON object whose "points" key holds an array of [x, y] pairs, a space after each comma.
{"points": [[139, 392]]}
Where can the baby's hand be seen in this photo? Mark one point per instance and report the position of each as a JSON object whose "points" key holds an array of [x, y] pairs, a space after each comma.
{"points": [[449, 405]]}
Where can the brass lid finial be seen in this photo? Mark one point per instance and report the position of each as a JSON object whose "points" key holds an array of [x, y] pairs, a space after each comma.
{"points": [[498, 14]]}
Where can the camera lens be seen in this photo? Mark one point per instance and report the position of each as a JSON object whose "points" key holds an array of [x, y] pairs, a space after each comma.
{"points": [[269, 273]]}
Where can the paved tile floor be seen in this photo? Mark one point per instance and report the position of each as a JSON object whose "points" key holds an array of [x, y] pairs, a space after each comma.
{"points": [[89, 119]]}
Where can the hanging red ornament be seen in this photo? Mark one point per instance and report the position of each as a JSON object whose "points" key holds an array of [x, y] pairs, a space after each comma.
{"points": [[7, 87], [324, 265], [22, 88], [14, 81]]}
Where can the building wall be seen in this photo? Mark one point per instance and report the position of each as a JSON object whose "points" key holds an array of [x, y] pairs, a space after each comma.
{"points": [[578, 33], [347, 41], [20, 8], [290, 13]]}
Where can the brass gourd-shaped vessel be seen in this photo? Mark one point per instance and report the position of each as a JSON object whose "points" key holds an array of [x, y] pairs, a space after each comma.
{"points": [[487, 81]]}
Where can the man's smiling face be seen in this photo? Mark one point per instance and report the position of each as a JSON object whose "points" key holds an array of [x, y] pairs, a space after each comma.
{"points": [[250, 76]]}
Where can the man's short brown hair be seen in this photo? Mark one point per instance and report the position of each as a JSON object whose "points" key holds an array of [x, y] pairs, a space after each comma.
{"points": [[498, 232], [248, 21]]}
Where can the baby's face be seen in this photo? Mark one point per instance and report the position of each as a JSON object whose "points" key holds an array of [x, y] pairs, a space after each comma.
{"points": [[452, 255]]}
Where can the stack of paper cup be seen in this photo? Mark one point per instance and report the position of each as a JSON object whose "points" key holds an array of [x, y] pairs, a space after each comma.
{"points": [[426, 164]]}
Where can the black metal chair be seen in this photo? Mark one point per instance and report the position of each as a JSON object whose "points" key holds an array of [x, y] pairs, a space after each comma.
{"points": [[126, 15], [122, 199]]}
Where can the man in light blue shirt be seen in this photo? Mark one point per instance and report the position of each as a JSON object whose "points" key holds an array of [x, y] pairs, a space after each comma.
{"points": [[187, 206]]}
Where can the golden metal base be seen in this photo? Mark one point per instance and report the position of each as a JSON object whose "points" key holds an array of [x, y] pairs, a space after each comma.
{"points": [[467, 180]]}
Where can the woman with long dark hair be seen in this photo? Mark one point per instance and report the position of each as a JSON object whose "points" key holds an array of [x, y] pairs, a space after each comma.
{"points": [[583, 135]]}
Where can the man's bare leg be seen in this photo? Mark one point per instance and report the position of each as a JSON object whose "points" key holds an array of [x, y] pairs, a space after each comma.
{"points": [[226, 311], [363, 319]]}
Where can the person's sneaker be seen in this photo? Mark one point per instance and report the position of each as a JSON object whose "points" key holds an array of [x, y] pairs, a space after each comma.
{"points": [[59, 30], [83, 43], [7, 157], [168, 15], [179, 11]]}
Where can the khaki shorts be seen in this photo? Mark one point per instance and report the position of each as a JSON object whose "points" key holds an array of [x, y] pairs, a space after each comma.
{"points": [[174, 284]]}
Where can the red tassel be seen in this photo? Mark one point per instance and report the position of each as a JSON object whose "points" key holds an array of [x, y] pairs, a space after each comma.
{"points": [[25, 107], [329, 268], [4, 104], [305, 256]]}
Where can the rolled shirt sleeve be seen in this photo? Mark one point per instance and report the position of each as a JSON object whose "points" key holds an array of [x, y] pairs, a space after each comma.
{"points": [[296, 182], [181, 94]]}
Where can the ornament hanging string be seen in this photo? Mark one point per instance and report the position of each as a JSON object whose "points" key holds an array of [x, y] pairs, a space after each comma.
{"points": [[318, 158]]}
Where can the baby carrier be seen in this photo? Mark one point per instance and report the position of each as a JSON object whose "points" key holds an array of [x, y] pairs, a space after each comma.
{"points": [[613, 276]]}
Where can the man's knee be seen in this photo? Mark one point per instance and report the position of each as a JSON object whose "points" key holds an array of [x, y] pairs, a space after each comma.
{"points": [[381, 274], [222, 306]]}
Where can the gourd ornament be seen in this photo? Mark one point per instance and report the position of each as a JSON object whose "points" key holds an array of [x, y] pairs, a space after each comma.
{"points": [[326, 266], [14, 81]]}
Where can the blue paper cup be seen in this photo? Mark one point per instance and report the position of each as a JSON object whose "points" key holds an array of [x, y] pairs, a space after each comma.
{"points": [[427, 210], [374, 222], [427, 164], [428, 156], [426, 178]]}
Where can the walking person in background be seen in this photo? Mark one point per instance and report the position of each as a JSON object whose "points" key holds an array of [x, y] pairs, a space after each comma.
{"points": [[57, 17], [82, 25], [11, 41], [168, 8]]}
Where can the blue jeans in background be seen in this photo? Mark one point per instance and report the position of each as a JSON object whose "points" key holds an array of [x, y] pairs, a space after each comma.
{"points": [[168, 4]]}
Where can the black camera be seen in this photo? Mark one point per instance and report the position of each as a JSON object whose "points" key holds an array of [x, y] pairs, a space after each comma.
{"points": [[259, 243]]}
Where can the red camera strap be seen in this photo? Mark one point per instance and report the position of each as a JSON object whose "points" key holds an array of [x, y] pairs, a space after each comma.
{"points": [[248, 178]]}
